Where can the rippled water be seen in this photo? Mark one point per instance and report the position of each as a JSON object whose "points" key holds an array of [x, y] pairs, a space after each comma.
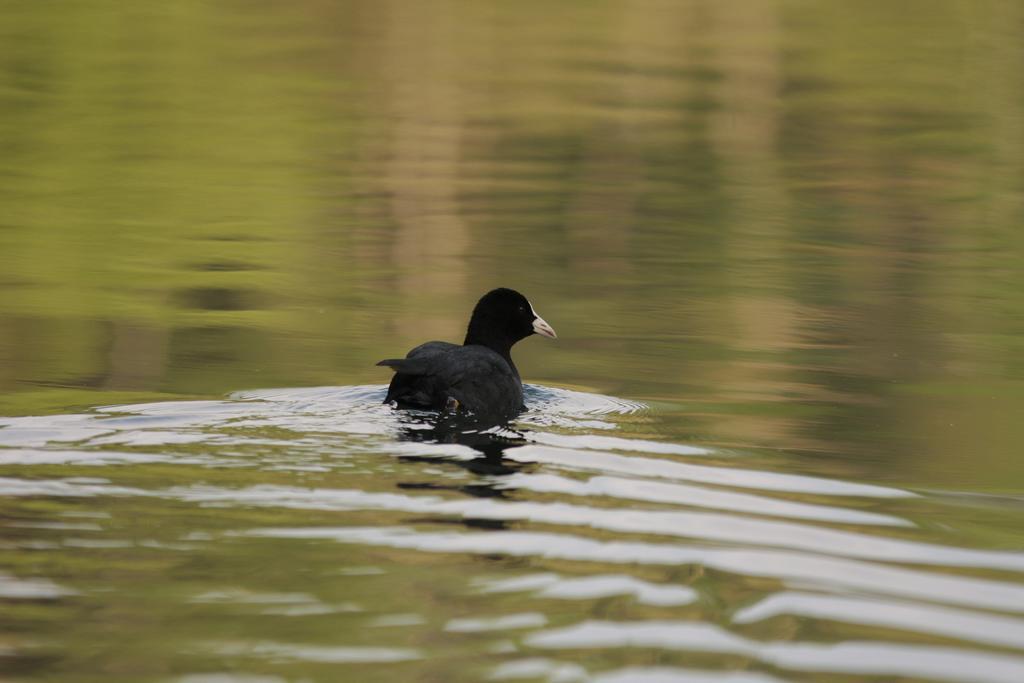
{"points": [[281, 534], [786, 235]]}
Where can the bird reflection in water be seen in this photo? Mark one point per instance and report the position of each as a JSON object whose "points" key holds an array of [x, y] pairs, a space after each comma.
{"points": [[490, 437]]}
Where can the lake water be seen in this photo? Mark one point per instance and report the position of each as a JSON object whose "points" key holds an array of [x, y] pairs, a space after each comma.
{"points": [[778, 438]]}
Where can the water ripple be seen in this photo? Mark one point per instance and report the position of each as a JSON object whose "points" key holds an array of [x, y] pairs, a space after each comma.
{"points": [[516, 537], [875, 658], [593, 587], [590, 460], [955, 623], [798, 569], [703, 525]]}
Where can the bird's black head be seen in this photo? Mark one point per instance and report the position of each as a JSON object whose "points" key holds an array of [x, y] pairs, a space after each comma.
{"points": [[501, 318]]}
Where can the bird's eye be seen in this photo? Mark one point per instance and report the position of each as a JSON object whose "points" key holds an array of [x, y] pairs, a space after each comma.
{"points": [[522, 309]]}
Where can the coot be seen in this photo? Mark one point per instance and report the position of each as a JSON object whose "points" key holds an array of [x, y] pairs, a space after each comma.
{"points": [[478, 377]]}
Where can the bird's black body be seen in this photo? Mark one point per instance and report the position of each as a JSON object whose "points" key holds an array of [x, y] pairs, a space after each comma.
{"points": [[435, 374], [477, 377]]}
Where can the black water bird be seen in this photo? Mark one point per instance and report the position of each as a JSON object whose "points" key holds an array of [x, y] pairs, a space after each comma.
{"points": [[479, 377]]}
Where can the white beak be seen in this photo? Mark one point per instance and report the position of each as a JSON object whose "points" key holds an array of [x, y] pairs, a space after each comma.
{"points": [[541, 327]]}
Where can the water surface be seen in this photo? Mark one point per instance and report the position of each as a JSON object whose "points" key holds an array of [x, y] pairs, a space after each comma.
{"points": [[285, 533], [777, 439]]}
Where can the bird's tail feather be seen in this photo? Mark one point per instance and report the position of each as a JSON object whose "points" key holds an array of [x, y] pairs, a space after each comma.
{"points": [[406, 366]]}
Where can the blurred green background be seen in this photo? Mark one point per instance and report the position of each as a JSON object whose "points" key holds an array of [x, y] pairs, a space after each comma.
{"points": [[797, 224]]}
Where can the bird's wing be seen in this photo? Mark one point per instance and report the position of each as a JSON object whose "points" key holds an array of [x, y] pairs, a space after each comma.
{"points": [[475, 376], [425, 359]]}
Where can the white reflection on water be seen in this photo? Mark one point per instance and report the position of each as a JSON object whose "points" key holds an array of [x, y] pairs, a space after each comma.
{"points": [[326, 654], [696, 496], [702, 525], [589, 460], [592, 588], [801, 569], [829, 549], [601, 442], [43, 430], [15, 588], [537, 667], [673, 675], [500, 623], [562, 672], [23, 456], [943, 621], [877, 658], [10, 486]]}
